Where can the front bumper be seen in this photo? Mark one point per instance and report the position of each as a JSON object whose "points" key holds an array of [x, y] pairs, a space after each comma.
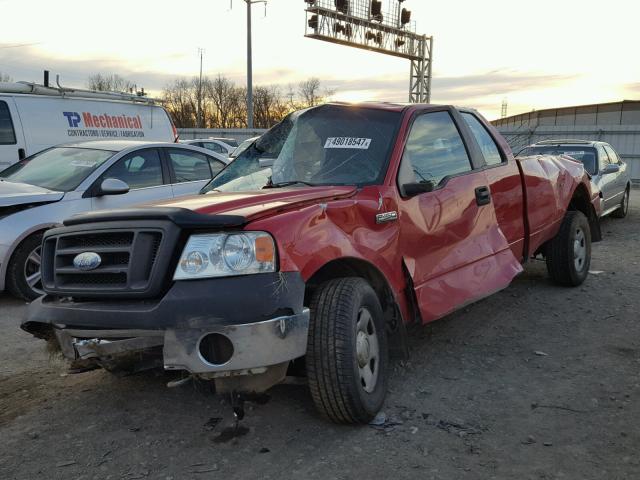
{"points": [[262, 316]]}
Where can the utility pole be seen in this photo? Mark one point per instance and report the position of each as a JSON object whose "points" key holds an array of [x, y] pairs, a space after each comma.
{"points": [[249, 68], [250, 61], [199, 116]]}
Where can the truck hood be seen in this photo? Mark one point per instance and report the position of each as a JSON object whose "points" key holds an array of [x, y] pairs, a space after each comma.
{"points": [[12, 194], [259, 203]]}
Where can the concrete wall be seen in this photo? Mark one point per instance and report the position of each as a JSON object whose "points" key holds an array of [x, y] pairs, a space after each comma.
{"points": [[239, 134]]}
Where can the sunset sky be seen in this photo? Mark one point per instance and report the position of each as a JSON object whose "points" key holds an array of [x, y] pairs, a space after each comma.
{"points": [[536, 54]]}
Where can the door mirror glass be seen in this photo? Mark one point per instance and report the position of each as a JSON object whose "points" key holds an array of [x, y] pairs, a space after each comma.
{"points": [[113, 186], [413, 189], [611, 168]]}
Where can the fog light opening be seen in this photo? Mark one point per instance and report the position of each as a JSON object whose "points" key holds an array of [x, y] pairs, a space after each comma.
{"points": [[216, 349]]}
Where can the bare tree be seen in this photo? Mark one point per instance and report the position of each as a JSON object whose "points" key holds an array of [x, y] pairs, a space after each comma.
{"points": [[311, 92], [225, 99], [180, 102], [110, 83], [268, 106], [4, 77], [224, 102]]}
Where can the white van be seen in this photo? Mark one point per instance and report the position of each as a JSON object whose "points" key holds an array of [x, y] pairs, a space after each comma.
{"points": [[34, 117]]}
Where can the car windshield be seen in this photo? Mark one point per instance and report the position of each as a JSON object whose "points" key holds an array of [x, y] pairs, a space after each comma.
{"points": [[60, 168], [582, 153], [326, 145]]}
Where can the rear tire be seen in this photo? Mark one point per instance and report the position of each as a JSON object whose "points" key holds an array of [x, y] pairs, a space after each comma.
{"points": [[568, 254], [23, 272], [624, 205], [347, 359]]}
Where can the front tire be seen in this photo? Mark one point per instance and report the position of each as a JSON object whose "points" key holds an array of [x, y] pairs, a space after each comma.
{"points": [[347, 357], [624, 206], [568, 254], [23, 272]]}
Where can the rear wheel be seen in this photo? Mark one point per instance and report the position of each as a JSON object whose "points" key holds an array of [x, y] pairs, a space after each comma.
{"points": [[23, 273], [624, 206], [568, 254], [347, 355]]}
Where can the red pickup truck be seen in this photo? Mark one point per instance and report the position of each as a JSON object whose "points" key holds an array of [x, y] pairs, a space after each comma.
{"points": [[315, 249]]}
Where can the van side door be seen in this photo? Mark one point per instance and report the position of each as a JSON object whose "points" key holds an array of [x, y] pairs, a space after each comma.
{"points": [[452, 244], [12, 146]]}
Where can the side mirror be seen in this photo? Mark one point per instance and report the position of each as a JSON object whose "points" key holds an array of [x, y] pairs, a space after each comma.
{"points": [[611, 168], [112, 186], [413, 189]]}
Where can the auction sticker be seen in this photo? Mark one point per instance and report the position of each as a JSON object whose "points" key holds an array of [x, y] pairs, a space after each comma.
{"points": [[348, 142]]}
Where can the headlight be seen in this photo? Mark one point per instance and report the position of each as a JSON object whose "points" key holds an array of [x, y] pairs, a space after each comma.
{"points": [[226, 254]]}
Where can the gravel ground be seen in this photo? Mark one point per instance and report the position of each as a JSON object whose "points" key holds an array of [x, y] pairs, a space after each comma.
{"points": [[535, 382]]}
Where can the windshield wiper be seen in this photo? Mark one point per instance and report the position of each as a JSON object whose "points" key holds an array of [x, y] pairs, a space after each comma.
{"points": [[288, 184]]}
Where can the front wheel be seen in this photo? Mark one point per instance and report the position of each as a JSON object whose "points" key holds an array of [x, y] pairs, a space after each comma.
{"points": [[23, 272], [568, 254], [622, 211], [347, 358]]}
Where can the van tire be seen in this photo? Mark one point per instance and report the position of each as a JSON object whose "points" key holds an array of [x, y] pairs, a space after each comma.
{"points": [[568, 254], [346, 330], [20, 264]]}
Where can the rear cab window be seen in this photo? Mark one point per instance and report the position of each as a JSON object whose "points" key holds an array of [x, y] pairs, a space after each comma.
{"points": [[490, 150], [7, 132]]}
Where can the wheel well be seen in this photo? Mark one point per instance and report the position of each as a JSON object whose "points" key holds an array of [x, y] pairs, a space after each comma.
{"points": [[581, 202], [354, 267]]}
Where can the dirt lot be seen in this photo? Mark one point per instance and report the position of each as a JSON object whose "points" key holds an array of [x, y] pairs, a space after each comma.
{"points": [[536, 382]]}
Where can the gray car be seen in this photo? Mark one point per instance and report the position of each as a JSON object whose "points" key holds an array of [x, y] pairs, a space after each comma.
{"points": [[39, 192], [608, 172]]}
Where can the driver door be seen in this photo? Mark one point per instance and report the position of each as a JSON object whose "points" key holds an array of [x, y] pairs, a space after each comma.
{"points": [[142, 170], [453, 247]]}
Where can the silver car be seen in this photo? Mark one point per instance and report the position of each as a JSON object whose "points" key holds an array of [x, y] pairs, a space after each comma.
{"points": [[39, 192], [608, 172]]}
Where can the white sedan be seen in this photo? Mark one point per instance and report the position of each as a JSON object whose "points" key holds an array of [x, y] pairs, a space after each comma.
{"points": [[214, 144], [41, 191]]}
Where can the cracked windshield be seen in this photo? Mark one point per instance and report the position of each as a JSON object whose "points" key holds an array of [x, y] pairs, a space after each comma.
{"points": [[327, 145]]}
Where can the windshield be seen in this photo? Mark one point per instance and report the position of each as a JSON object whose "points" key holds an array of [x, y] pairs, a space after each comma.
{"points": [[61, 169], [586, 155], [326, 145]]}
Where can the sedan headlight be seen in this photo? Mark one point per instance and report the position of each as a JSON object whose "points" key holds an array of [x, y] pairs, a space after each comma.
{"points": [[226, 254]]}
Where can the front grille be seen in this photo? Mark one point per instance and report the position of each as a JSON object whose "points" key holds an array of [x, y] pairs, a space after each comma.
{"points": [[127, 259]]}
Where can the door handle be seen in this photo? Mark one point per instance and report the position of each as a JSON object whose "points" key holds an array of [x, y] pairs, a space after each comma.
{"points": [[21, 153], [483, 196]]}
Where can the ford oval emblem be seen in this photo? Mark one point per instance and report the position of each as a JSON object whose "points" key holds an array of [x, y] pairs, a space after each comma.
{"points": [[87, 261]]}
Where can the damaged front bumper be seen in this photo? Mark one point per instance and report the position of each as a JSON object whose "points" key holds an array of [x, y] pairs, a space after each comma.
{"points": [[213, 328]]}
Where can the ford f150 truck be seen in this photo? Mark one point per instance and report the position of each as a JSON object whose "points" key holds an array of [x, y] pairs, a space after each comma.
{"points": [[319, 244]]}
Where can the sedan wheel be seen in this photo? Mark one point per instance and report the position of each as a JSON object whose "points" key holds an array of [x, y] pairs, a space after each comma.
{"points": [[24, 279], [32, 274]]}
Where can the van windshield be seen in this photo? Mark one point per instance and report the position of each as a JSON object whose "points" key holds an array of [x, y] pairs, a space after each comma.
{"points": [[60, 168], [326, 145]]}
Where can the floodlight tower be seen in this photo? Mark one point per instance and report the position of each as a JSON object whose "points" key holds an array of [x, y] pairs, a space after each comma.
{"points": [[365, 24]]}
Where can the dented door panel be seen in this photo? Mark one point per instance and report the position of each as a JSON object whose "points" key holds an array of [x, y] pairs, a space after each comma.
{"points": [[454, 249]]}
